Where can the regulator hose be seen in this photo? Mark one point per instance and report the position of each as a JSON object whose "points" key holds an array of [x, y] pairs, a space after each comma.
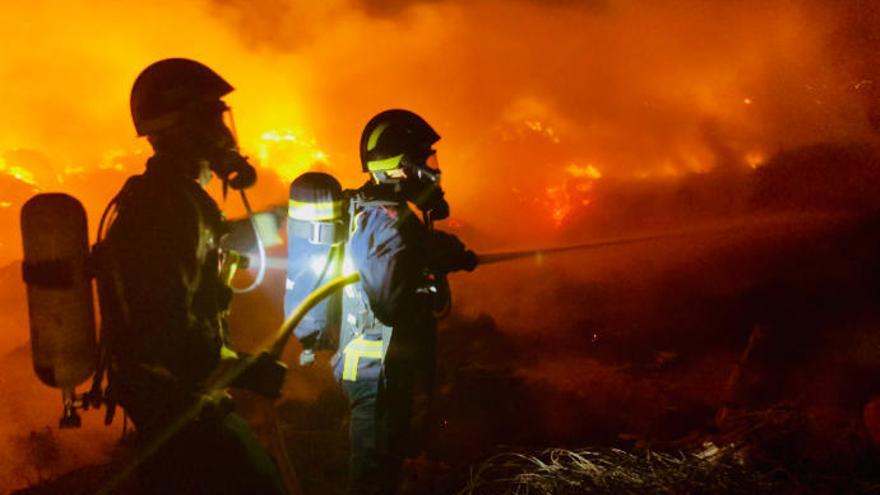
{"points": [[261, 249]]}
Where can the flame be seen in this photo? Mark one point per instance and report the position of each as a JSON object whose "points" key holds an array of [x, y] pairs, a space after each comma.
{"points": [[755, 159], [575, 191], [657, 90], [559, 202], [588, 171], [20, 173], [669, 92], [289, 153], [541, 128]]}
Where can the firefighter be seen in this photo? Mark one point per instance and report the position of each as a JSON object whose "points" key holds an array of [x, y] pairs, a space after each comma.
{"points": [[387, 337], [163, 299]]}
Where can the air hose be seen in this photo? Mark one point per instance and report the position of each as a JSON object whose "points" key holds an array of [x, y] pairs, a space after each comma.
{"points": [[261, 249]]}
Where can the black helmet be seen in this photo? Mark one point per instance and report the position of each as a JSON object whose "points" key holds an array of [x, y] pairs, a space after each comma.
{"points": [[167, 87], [395, 135]]}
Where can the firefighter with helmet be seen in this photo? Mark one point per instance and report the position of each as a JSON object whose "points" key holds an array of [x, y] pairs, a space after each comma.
{"points": [[163, 300], [387, 336]]}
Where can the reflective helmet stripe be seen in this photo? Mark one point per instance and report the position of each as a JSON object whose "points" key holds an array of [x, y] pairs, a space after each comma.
{"points": [[315, 212], [374, 136], [386, 164], [355, 350]]}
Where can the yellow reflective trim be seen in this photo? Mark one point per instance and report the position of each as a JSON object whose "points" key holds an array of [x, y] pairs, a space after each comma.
{"points": [[355, 350], [350, 369], [315, 212], [386, 164], [368, 351], [354, 222], [374, 136]]}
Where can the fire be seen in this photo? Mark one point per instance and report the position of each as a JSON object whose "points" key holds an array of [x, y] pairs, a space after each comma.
{"points": [[545, 130], [642, 89], [574, 192], [559, 201], [755, 159], [289, 153], [653, 85], [20, 173], [586, 172]]}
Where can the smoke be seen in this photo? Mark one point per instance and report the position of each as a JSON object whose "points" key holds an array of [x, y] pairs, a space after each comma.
{"points": [[521, 91], [559, 118]]}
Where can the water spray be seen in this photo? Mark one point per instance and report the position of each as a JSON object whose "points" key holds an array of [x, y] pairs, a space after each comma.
{"points": [[491, 258]]}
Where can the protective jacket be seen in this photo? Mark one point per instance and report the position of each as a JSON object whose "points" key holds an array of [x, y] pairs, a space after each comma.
{"points": [[162, 298], [387, 315]]}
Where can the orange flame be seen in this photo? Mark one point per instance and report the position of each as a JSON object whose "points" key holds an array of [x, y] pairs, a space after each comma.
{"points": [[289, 153]]}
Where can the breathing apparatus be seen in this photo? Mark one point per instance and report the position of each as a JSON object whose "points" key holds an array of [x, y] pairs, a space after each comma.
{"points": [[176, 103], [316, 233], [396, 148]]}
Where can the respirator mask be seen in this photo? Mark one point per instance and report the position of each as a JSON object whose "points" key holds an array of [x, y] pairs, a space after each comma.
{"points": [[228, 164], [213, 138], [422, 186]]}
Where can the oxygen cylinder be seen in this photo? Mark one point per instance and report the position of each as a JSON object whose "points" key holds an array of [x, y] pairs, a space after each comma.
{"points": [[316, 229], [59, 290]]}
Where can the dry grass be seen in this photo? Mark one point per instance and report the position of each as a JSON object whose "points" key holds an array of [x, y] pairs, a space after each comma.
{"points": [[561, 471]]}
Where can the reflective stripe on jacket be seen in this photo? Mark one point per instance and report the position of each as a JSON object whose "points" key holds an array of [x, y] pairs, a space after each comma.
{"points": [[387, 247]]}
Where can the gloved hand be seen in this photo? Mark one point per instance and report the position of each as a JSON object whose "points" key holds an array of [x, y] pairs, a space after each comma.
{"points": [[446, 253], [306, 358], [264, 375]]}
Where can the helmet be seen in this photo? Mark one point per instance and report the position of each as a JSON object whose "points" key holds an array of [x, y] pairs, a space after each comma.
{"points": [[167, 87], [395, 136]]}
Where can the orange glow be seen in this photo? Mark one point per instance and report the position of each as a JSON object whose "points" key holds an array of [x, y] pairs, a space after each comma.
{"points": [[559, 202], [19, 173], [289, 153], [656, 91], [755, 159], [585, 172], [574, 192], [538, 102]]}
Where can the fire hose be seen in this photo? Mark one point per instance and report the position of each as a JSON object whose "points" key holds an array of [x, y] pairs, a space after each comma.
{"points": [[276, 346], [216, 391], [490, 258]]}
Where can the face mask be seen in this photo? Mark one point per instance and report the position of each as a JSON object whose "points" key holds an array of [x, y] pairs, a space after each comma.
{"points": [[422, 187], [219, 142], [427, 196], [233, 169]]}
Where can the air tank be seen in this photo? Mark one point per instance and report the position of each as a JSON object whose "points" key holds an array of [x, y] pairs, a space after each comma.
{"points": [[59, 291], [316, 232]]}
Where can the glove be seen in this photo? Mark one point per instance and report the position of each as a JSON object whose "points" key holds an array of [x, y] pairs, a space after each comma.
{"points": [[448, 254], [306, 358], [264, 375]]}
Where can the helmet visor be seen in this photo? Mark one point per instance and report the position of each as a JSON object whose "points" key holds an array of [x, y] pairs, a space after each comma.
{"points": [[229, 122], [432, 162], [429, 171]]}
